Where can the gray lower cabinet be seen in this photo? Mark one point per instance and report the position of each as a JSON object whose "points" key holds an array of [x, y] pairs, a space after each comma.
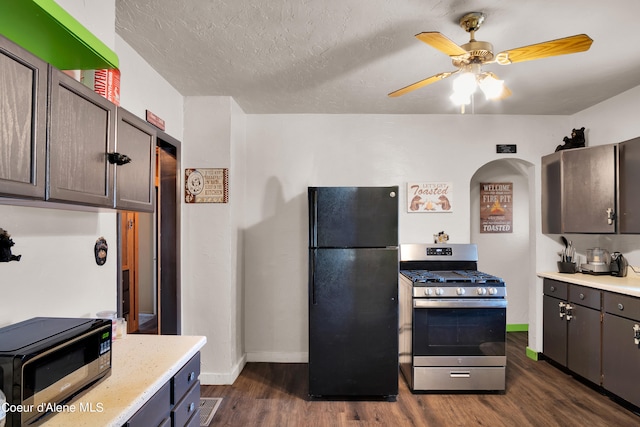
{"points": [[176, 404], [554, 330], [23, 115], [572, 328], [620, 346]]}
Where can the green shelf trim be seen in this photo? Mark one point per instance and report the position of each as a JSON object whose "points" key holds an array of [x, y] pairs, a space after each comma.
{"points": [[45, 29], [532, 354], [521, 327]]}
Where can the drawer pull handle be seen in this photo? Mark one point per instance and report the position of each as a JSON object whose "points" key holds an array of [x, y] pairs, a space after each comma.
{"points": [[191, 376], [191, 407], [636, 334], [620, 306], [581, 296], [460, 374], [553, 288]]}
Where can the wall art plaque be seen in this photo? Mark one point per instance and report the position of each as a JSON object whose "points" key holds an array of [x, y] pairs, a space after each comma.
{"points": [[430, 197], [206, 185], [496, 207]]}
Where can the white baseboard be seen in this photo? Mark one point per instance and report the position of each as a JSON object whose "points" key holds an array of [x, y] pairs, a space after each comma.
{"points": [[212, 378], [278, 357]]}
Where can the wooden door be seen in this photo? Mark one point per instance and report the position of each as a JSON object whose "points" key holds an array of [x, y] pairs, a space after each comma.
{"points": [[129, 254]]}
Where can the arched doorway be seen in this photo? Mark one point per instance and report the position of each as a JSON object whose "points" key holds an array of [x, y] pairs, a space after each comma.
{"points": [[509, 255]]}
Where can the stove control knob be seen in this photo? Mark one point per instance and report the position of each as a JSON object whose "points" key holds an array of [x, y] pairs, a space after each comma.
{"points": [[439, 291], [482, 291], [493, 291], [428, 291], [460, 291]]}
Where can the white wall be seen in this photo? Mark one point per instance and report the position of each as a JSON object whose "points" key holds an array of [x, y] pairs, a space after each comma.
{"points": [[506, 255], [212, 238], [287, 153]]}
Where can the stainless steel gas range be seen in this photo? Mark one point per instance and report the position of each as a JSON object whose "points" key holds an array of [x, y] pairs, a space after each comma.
{"points": [[452, 320]]}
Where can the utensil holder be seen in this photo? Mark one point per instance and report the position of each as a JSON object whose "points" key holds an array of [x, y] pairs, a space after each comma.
{"points": [[566, 267]]}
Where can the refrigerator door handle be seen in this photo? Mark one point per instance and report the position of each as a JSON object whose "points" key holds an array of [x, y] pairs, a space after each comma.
{"points": [[313, 212], [312, 276]]}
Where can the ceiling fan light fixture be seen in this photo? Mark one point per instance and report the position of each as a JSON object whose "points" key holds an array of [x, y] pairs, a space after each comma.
{"points": [[491, 87], [459, 98], [465, 83]]}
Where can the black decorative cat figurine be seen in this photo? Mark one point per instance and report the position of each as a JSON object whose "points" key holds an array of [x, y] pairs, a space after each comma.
{"points": [[576, 140], [5, 248]]}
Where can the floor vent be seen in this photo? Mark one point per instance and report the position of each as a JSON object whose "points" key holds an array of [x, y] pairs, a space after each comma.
{"points": [[208, 408]]}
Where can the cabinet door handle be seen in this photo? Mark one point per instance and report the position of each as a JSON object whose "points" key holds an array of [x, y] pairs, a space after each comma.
{"points": [[611, 215], [118, 159], [569, 314], [562, 309], [636, 334]]}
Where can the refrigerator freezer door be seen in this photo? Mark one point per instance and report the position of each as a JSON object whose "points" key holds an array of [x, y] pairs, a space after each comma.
{"points": [[353, 322], [353, 217]]}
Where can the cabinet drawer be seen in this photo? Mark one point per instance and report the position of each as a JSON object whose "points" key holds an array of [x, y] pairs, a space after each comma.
{"points": [[184, 409], [556, 289], [185, 378], [194, 421], [622, 305], [154, 411], [588, 297]]}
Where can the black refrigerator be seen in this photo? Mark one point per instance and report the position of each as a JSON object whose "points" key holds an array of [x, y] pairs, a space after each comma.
{"points": [[353, 292]]}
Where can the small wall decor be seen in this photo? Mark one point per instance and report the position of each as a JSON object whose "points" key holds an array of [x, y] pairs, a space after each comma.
{"points": [[496, 207], [206, 185], [576, 141], [430, 197], [100, 250], [5, 247]]}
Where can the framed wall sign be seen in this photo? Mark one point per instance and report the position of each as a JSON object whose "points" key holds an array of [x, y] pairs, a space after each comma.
{"points": [[206, 185], [430, 197], [496, 207]]}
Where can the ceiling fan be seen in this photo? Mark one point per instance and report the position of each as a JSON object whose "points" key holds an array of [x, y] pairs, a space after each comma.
{"points": [[470, 57]]}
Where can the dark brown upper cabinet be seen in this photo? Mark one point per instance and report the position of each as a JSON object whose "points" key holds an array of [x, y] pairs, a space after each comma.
{"points": [[23, 103]]}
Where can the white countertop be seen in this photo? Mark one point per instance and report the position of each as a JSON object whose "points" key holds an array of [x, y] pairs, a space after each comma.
{"points": [[629, 285], [141, 365]]}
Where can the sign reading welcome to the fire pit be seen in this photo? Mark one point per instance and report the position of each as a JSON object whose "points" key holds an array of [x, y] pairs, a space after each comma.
{"points": [[496, 207]]}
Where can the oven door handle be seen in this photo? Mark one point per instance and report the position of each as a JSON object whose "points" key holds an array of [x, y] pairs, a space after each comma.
{"points": [[460, 303]]}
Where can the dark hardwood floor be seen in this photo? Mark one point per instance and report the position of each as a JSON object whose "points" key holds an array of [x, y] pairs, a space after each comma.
{"points": [[537, 394]]}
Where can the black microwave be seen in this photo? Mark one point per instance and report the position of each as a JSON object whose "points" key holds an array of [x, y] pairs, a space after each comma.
{"points": [[45, 362]]}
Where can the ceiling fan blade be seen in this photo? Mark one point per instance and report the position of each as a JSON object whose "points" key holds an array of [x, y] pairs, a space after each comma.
{"points": [[567, 45], [422, 83], [442, 43], [506, 92]]}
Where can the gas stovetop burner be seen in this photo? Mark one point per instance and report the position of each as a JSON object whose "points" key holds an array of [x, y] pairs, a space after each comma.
{"points": [[451, 277]]}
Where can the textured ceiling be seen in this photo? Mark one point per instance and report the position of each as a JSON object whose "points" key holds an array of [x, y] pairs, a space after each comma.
{"points": [[345, 56]]}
